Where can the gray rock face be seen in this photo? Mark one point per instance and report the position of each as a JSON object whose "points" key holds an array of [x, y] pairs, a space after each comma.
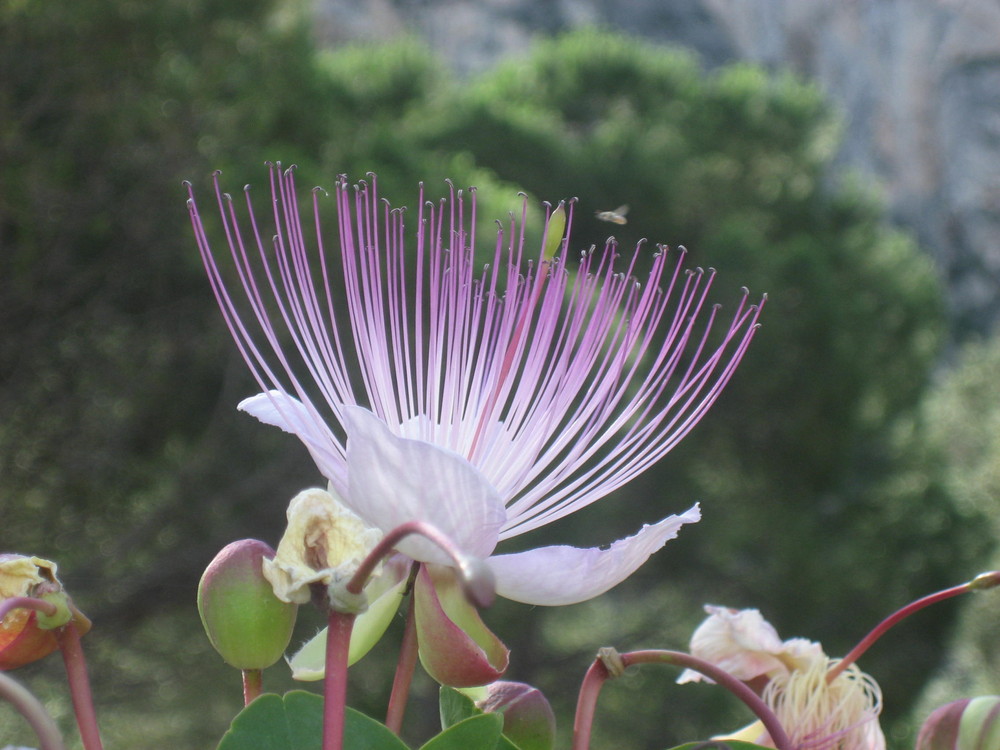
{"points": [[917, 82]]}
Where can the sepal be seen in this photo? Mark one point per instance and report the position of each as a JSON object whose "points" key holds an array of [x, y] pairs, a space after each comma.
{"points": [[966, 724], [309, 662], [456, 648]]}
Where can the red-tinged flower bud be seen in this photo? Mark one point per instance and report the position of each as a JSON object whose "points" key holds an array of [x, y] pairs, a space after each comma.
{"points": [[528, 720], [966, 724], [246, 623], [455, 646], [27, 635]]}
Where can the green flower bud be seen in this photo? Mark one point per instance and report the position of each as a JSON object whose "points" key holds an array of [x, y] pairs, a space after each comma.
{"points": [[246, 623], [528, 720], [966, 724]]}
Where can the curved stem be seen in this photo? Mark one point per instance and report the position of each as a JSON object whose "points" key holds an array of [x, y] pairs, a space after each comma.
{"points": [[477, 582], [33, 711], [253, 685], [599, 672], [980, 582], [586, 704], [28, 602], [79, 686], [404, 672], [476, 577], [338, 643]]}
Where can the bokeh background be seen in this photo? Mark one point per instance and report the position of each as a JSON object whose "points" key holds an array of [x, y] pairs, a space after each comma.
{"points": [[842, 157]]}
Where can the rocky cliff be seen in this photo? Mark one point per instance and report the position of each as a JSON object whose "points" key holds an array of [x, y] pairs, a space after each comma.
{"points": [[917, 83]]}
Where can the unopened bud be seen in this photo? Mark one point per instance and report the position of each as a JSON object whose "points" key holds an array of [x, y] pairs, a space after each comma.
{"points": [[966, 724], [554, 232], [528, 720], [246, 623]]}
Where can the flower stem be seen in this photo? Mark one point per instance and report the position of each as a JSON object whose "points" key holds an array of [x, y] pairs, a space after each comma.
{"points": [[586, 704], [338, 642], [476, 578], [404, 672], [478, 584], [253, 685], [16, 602], [980, 582], [79, 686], [33, 711], [610, 663]]}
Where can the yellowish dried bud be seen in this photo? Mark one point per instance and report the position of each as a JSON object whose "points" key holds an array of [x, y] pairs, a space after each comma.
{"points": [[27, 635], [324, 543]]}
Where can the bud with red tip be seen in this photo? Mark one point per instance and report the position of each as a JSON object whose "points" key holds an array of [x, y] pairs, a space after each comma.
{"points": [[246, 623], [27, 635], [456, 647], [528, 720], [967, 724]]}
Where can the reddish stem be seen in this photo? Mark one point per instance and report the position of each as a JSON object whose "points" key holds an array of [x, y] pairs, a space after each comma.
{"points": [[33, 711], [599, 672], [79, 686], [586, 704], [477, 581], [253, 685], [338, 643], [476, 577], [27, 602], [980, 582], [404, 673]]}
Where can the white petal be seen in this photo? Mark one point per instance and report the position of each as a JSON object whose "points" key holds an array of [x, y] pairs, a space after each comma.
{"points": [[567, 575], [278, 409], [392, 480], [746, 645]]}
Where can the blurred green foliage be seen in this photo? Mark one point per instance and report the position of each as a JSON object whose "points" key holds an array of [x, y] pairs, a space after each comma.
{"points": [[828, 501], [962, 413]]}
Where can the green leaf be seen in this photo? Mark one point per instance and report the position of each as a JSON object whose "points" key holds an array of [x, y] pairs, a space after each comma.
{"points": [[455, 707], [274, 722], [475, 733], [719, 745], [295, 722], [364, 733]]}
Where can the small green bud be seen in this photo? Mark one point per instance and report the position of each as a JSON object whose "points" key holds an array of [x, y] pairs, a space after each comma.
{"points": [[528, 720], [62, 615], [554, 232], [246, 623], [966, 724]]}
